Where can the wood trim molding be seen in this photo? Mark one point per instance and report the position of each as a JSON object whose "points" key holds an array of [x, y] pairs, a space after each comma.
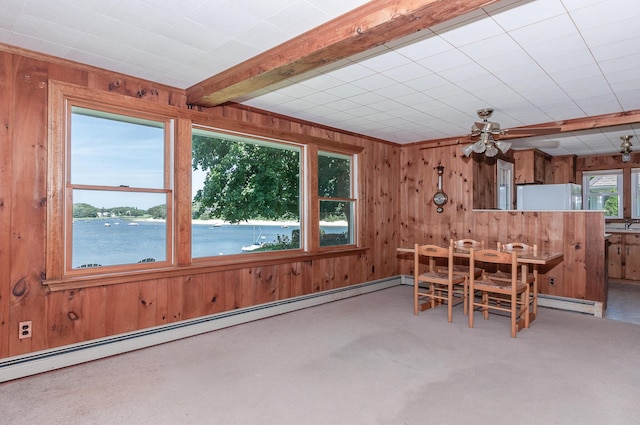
{"points": [[368, 26]]}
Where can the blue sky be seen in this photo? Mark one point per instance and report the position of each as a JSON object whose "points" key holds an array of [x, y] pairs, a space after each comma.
{"points": [[112, 153]]}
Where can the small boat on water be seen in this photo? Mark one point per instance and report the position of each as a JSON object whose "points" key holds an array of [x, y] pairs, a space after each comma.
{"points": [[251, 247], [256, 245], [107, 224], [133, 224]]}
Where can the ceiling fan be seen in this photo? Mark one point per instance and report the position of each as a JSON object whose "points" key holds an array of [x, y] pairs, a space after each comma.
{"points": [[487, 134]]}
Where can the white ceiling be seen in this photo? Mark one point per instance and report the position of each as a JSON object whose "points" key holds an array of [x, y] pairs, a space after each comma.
{"points": [[533, 61]]}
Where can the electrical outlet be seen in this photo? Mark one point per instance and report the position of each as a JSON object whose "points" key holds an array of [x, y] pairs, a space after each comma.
{"points": [[552, 281], [25, 329]]}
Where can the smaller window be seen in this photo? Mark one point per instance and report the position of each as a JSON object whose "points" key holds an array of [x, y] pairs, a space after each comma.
{"points": [[337, 203], [602, 191], [635, 193]]}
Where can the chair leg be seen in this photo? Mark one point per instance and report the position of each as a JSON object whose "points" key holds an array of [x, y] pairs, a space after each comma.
{"points": [[485, 305], [415, 296], [514, 315], [450, 303]]}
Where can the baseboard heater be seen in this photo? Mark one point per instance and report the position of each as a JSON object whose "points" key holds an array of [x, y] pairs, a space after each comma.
{"points": [[571, 304], [69, 355], [552, 301]]}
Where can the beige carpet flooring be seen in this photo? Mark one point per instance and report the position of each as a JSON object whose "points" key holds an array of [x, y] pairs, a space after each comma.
{"points": [[364, 360]]}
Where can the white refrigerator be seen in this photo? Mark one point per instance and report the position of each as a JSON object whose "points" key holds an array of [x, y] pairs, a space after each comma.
{"points": [[544, 197]]}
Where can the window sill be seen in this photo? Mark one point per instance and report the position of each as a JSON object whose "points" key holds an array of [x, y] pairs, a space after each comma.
{"points": [[198, 266]]}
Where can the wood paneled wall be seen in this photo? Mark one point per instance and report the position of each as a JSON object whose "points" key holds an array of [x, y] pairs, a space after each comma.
{"points": [[78, 315], [578, 234]]}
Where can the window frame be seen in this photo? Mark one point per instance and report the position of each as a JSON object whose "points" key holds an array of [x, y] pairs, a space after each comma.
{"points": [[62, 99], [55, 279], [353, 199], [635, 193], [303, 200], [586, 175]]}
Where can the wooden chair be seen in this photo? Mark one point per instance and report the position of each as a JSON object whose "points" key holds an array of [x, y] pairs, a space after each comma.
{"points": [[466, 244], [444, 285], [531, 277], [507, 295]]}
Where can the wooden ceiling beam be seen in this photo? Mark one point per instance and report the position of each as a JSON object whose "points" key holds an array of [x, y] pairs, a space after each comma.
{"points": [[361, 29]]}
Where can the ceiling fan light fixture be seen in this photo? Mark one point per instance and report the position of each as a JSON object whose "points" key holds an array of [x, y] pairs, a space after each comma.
{"points": [[468, 150], [625, 148], [503, 146], [491, 150], [479, 146]]}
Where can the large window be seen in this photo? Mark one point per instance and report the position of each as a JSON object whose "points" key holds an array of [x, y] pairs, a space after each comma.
{"points": [[117, 189], [246, 194], [602, 190], [336, 201], [635, 193]]}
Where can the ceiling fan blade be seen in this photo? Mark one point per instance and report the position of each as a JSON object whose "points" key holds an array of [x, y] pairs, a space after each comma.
{"points": [[533, 130]]}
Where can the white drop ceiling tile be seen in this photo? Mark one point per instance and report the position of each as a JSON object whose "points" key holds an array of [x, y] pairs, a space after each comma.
{"points": [[552, 49], [367, 98], [407, 72], [425, 48], [464, 73], [263, 35], [231, 52], [549, 29], [630, 99], [627, 49], [296, 90], [585, 71], [169, 48], [299, 105], [446, 60], [507, 61], [474, 30], [518, 74], [395, 91], [48, 31], [343, 105], [627, 64], [298, 17], [528, 13], [603, 13], [141, 15], [611, 33], [100, 60], [351, 72], [336, 7], [118, 31], [261, 9], [268, 99], [387, 105], [96, 47], [345, 91], [232, 22], [321, 98], [414, 98], [385, 61], [363, 111], [495, 46], [599, 105], [481, 81], [37, 45], [195, 35], [61, 12], [569, 61], [427, 82], [374, 82]]}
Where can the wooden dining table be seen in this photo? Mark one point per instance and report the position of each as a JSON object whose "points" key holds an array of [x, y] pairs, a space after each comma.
{"points": [[525, 260]]}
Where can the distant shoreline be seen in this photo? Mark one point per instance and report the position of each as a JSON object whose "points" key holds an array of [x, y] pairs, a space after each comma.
{"points": [[215, 222]]}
